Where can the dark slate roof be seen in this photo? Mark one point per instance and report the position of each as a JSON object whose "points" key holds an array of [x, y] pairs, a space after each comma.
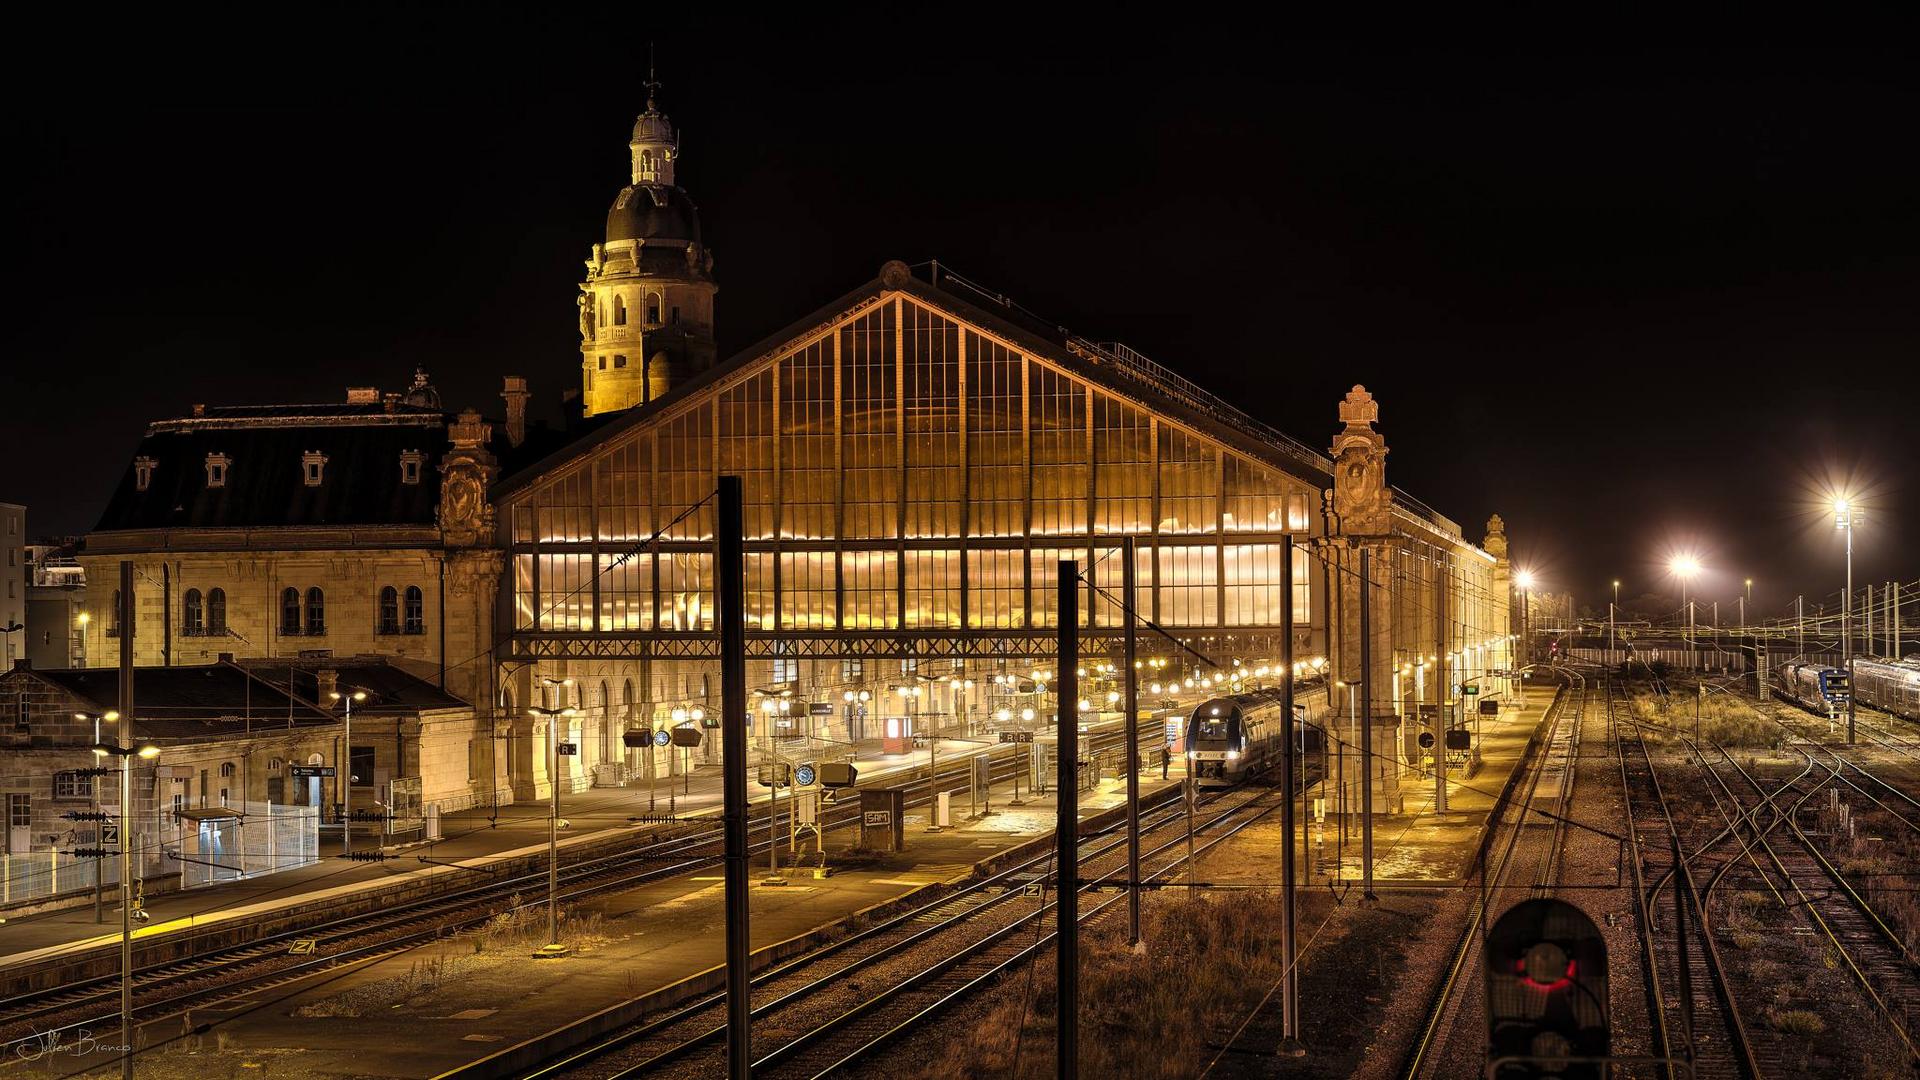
{"points": [[182, 703], [389, 688], [266, 485], [653, 212]]}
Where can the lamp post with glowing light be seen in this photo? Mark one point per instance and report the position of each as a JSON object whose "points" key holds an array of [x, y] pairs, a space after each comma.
{"points": [[1685, 567], [553, 949], [1844, 514], [346, 769], [1525, 580], [1745, 603], [1612, 609], [126, 754]]}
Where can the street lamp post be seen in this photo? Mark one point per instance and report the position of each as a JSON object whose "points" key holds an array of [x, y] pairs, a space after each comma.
{"points": [[1843, 517], [1612, 610], [125, 754], [346, 768], [1685, 567], [553, 949]]}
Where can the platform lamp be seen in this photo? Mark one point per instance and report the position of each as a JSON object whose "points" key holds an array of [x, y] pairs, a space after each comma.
{"points": [[1844, 516], [346, 766], [127, 916], [553, 950], [1685, 567], [1525, 580]]}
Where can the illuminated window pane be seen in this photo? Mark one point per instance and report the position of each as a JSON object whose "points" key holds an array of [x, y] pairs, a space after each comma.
{"points": [[807, 591], [523, 592], [1046, 597], [566, 592], [1189, 484], [996, 581], [1123, 468], [931, 394], [1188, 576], [746, 449], [564, 514], [870, 583], [622, 493], [686, 590], [1253, 585], [1058, 411], [1109, 569], [758, 590], [685, 457], [626, 592], [1302, 585], [808, 484], [996, 494], [868, 420], [1256, 497], [933, 589]]}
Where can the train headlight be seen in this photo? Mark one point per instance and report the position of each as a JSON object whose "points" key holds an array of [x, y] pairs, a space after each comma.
{"points": [[1191, 754], [1233, 755]]}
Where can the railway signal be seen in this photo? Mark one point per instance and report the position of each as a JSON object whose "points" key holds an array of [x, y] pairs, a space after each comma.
{"points": [[1546, 994]]}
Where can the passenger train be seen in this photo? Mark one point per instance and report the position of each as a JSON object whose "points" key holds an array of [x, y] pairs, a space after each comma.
{"points": [[1232, 738], [1888, 685]]}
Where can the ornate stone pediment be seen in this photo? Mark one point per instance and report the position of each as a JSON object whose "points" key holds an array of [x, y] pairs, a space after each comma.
{"points": [[466, 471], [1361, 499], [1496, 542]]}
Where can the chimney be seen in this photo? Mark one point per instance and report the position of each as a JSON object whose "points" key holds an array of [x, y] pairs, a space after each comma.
{"points": [[516, 394], [226, 658], [363, 395], [200, 409], [326, 682], [390, 399]]}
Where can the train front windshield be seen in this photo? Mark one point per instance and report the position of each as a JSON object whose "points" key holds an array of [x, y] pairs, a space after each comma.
{"points": [[1215, 726]]}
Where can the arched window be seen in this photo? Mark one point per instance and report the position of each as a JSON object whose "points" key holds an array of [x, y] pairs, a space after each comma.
{"points": [[619, 310], [226, 769], [217, 611], [606, 721], [653, 309], [316, 611], [290, 611], [646, 165], [416, 610], [389, 610], [193, 614]]}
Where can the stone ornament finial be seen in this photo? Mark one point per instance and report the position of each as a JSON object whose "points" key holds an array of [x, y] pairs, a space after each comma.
{"points": [[1496, 542], [464, 513], [1359, 411]]}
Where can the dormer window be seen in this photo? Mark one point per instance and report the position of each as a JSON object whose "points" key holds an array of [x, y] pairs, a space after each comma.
{"points": [[143, 473], [313, 467], [217, 465], [410, 462]]}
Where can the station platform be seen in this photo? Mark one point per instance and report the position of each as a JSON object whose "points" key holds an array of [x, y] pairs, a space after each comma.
{"points": [[449, 1008], [1414, 848], [472, 840]]}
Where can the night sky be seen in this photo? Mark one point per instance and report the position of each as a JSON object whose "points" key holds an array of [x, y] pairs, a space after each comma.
{"points": [[1633, 300]]}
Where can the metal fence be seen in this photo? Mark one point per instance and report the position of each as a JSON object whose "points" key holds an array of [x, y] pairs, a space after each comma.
{"points": [[40, 875], [268, 838]]}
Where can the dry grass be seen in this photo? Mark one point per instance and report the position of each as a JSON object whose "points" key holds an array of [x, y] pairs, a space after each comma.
{"points": [[523, 927], [1156, 1014], [1796, 1022]]}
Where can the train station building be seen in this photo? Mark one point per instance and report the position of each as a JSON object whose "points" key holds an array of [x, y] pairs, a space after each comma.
{"points": [[918, 456]]}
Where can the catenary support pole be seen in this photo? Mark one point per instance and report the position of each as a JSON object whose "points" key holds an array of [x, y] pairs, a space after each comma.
{"points": [[729, 565], [1066, 824], [1366, 724], [1131, 702], [1290, 972], [125, 734]]}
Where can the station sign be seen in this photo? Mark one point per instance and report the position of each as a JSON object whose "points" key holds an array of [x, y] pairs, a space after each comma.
{"points": [[775, 776], [876, 818], [1016, 736], [109, 833], [567, 749], [820, 708], [303, 772]]}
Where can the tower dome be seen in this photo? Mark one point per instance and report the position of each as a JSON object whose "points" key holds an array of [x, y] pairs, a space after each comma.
{"points": [[646, 307]]}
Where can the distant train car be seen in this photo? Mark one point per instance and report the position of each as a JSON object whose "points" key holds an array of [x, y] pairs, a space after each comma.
{"points": [[1232, 738], [1889, 685], [1822, 689]]}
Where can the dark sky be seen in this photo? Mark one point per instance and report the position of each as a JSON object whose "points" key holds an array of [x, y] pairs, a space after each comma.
{"points": [[1633, 299]]}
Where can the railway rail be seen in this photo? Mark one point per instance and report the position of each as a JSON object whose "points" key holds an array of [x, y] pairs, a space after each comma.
{"points": [[176, 987], [821, 1011]]}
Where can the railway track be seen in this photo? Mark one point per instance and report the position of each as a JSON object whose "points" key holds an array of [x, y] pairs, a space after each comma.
{"points": [[1546, 788], [1694, 1015], [822, 1012], [1872, 951], [176, 987]]}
